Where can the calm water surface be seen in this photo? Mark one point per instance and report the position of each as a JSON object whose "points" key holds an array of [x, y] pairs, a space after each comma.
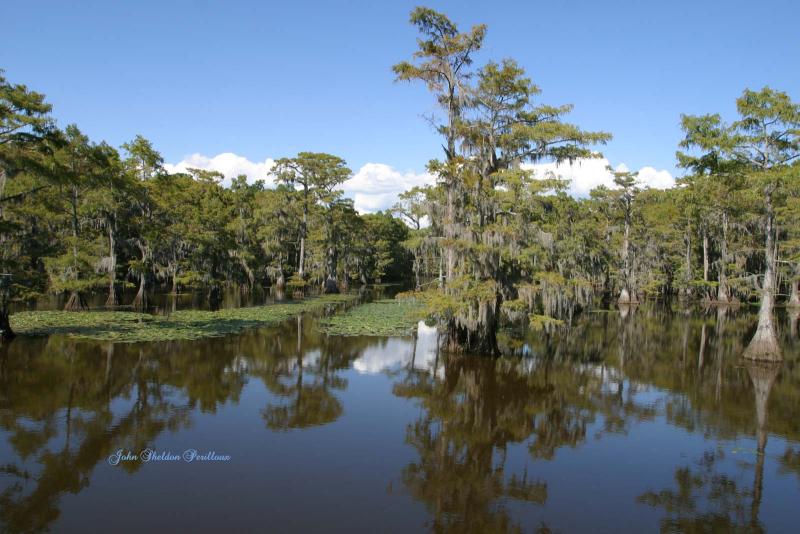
{"points": [[626, 423]]}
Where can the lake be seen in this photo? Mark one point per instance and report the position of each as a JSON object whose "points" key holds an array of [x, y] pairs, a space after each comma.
{"points": [[633, 420]]}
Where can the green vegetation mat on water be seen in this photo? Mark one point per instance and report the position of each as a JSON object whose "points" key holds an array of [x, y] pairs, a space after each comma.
{"points": [[379, 318], [130, 327]]}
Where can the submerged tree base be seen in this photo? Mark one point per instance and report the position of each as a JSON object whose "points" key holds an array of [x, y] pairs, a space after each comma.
{"points": [[626, 309], [627, 298], [131, 327], [112, 301], [794, 299], [76, 302], [139, 301], [764, 347], [463, 340]]}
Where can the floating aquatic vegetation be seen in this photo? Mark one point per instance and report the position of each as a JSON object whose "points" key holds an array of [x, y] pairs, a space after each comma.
{"points": [[130, 327], [379, 318]]}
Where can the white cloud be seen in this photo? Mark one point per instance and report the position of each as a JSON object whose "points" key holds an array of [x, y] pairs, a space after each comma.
{"points": [[229, 164], [656, 179], [376, 186], [586, 174], [399, 352]]}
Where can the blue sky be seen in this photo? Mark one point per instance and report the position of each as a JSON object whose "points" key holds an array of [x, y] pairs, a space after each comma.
{"points": [[267, 79]]}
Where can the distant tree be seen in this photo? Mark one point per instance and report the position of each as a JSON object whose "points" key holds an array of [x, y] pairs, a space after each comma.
{"points": [[245, 254], [628, 189], [83, 165], [278, 230], [316, 175], [444, 57], [143, 163], [106, 209], [715, 186]]}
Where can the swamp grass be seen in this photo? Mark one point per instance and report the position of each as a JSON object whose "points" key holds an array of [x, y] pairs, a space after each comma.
{"points": [[131, 327], [379, 318]]}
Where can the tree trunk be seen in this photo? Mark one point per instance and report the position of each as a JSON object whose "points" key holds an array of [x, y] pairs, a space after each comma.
{"points": [[301, 261], [449, 229], [764, 345], [280, 283], [450, 235], [75, 226], [705, 263], [75, 302], [140, 300], [3, 179], [627, 295], [112, 300], [251, 278], [794, 299], [624, 296], [687, 277], [705, 255], [722, 294], [417, 285], [331, 286]]}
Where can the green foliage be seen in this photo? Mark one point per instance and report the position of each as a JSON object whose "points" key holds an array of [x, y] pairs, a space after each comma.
{"points": [[296, 283], [384, 256], [543, 322], [76, 215], [491, 238], [491, 226]]}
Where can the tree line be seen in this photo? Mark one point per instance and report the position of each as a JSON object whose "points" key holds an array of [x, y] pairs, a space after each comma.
{"points": [[77, 216], [502, 243], [490, 241]]}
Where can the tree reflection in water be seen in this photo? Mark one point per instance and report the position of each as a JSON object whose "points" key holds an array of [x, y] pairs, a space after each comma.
{"points": [[709, 500], [473, 409], [482, 432], [477, 407], [65, 410], [62, 419], [306, 381]]}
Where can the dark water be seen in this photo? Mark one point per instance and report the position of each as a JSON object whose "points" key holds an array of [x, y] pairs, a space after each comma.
{"points": [[622, 424]]}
